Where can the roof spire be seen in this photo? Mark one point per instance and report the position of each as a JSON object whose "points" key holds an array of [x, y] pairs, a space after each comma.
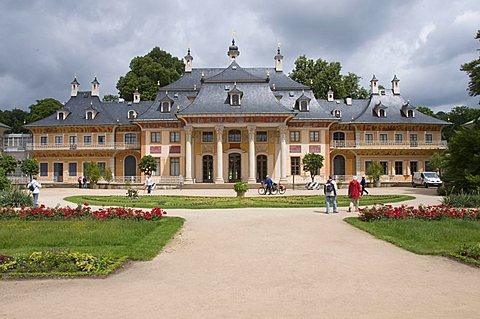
{"points": [[233, 52]]}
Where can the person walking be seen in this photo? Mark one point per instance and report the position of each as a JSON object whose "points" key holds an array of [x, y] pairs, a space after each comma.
{"points": [[354, 193], [330, 190], [149, 184], [34, 187], [363, 182], [80, 181], [84, 180], [269, 183]]}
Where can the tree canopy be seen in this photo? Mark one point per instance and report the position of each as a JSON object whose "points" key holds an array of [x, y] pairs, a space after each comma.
{"points": [[147, 72], [110, 98], [15, 118], [473, 70], [147, 164], [43, 108], [321, 75], [312, 163]]}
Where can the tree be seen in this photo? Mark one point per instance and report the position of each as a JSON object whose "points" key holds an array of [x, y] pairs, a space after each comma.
{"points": [[437, 162], [30, 167], [458, 115], [4, 181], [15, 118], [374, 171], [8, 163], [312, 163], [427, 111], [43, 108], [462, 160], [147, 164], [93, 172], [321, 75], [473, 70], [110, 98], [147, 72]]}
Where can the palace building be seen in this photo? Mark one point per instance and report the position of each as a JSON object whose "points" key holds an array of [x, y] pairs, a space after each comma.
{"points": [[222, 125]]}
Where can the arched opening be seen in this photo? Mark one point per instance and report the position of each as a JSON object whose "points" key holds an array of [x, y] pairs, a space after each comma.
{"points": [[339, 167], [207, 169], [261, 167], [130, 166], [234, 167]]}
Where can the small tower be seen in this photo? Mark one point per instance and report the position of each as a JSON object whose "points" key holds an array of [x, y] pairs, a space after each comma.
{"points": [[374, 85], [395, 85], [95, 87], [136, 96], [188, 62], [75, 87], [233, 52], [330, 95], [278, 60]]}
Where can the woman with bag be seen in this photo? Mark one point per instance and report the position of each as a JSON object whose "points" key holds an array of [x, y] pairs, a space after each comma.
{"points": [[34, 187]]}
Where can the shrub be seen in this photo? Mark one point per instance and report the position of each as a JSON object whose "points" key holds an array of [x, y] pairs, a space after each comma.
{"points": [[470, 251], [108, 175], [92, 171], [240, 187], [462, 200], [14, 197], [4, 181], [374, 171], [441, 190], [132, 193]]}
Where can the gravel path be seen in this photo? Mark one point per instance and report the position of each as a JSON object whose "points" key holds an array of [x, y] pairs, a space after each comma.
{"points": [[261, 263]]}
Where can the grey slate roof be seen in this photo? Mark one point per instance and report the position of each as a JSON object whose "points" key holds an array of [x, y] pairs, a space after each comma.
{"points": [[4, 125], [152, 112], [235, 73]]}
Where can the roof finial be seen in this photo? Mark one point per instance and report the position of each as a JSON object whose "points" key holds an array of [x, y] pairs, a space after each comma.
{"points": [[278, 47]]}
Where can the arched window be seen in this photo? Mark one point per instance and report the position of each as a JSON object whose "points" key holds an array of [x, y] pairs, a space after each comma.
{"points": [[410, 113], [132, 114], [303, 106], [382, 113], [61, 116], [235, 99], [89, 115], [234, 136], [165, 107], [337, 113]]}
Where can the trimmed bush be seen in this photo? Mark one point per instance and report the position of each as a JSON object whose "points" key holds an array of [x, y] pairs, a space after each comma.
{"points": [[463, 200]]}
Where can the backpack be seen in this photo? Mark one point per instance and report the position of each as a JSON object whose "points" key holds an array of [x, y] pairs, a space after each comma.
{"points": [[329, 187], [31, 187]]}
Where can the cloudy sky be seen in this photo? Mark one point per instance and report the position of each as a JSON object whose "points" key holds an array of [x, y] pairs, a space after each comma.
{"points": [[44, 43]]}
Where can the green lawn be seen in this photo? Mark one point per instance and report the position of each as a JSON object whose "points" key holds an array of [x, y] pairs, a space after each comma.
{"points": [[137, 240], [196, 202], [423, 237]]}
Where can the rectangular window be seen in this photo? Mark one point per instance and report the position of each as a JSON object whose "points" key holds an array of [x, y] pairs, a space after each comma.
{"points": [[398, 168], [174, 166], [413, 167], [427, 166], [385, 167], [130, 138], [428, 138], [58, 140], [155, 137], [262, 136], [102, 166], [207, 137], [368, 138], [413, 140], [398, 138], [174, 137], [383, 138], [72, 139], [367, 164], [157, 171], [295, 165], [72, 169], [294, 136], [101, 139], [314, 136], [43, 140], [87, 139], [43, 169]]}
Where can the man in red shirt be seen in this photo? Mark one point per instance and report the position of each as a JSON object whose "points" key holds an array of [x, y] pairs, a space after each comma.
{"points": [[354, 193]]}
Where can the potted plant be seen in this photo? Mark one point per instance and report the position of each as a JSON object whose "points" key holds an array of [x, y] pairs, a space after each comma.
{"points": [[374, 171], [241, 188]]}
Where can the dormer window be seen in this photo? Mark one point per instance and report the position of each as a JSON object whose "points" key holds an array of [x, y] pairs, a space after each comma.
{"points": [[382, 113], [132, 114], [380, 110], [165, 107], [303, 106], [410, 113], [337, 113], [89, 115], [408, 110], [302, 103], [61, 116], [235, 99]]}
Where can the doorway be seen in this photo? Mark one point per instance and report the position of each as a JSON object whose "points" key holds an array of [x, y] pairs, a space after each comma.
{"points": [[130, 166], [261, 167], [234, 167], [58, 172], [339, 166], [207, 169]]}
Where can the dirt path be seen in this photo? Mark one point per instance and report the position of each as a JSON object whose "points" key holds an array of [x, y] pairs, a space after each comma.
{"points": [[262, 263]]}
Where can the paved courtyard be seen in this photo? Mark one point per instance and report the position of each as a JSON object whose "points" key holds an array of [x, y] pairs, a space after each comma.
{"points": [[260, 263]]}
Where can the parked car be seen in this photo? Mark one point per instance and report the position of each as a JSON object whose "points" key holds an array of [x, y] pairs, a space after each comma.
{"points": [[426, 179]]}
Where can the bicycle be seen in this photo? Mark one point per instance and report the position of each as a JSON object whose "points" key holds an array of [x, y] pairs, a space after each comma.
{"points": [[262, 190], [282, 188]]}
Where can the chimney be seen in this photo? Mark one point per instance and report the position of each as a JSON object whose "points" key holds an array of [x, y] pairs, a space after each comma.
{"points": [[330, 95], [233, 52], [75, 87], [374, 85], [278, 60], [95, 87], [136, 96], [395, 85], [348, 100], [188, 62]]}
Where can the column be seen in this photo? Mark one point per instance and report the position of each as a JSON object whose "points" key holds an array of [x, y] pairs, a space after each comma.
{"points": [[283, 153], [251, 154], [219, 171], [188, 154], [357, 164]]}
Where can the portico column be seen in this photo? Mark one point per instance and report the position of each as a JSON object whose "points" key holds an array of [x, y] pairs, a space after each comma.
{"points": [[188, 154], [251, 154], [219, 172], [283, 153]]}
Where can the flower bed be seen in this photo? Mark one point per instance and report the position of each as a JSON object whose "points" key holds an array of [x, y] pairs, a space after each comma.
{"points": [[438, 212], [80, 212]]}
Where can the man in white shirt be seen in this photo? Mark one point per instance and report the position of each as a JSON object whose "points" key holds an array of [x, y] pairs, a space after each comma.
{"points": [[330, 190], [149, 184], [34, 186]]}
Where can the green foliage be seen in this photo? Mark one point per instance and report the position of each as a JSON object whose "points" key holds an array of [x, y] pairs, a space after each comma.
{"points": [[30, 167], [147, 164], [110, 98], [14, 197], [425, 110], [463, 200], [132, 193], [437, 162], [92, 171], [8, 163], [462, 161], [15, 118], [470, 250], [321, 75], [374, 171], [4, 181], [240, 187], [312, 163], [43, 108], [146, 71], [108, 175], [473, 70]]}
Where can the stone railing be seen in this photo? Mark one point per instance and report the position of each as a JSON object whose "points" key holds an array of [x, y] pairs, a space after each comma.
{"points": [[388, 145], [82, 146]]}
